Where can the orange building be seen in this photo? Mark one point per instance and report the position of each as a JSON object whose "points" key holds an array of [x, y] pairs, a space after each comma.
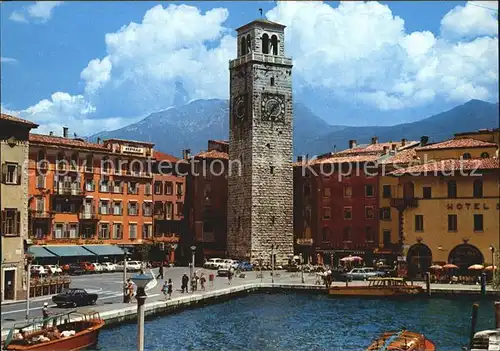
{"points": [[89, 193]]}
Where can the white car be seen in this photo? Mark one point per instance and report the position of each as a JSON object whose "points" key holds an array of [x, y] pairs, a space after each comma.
{"points": [[37, 269], [227, 263], [108, 266], [132, 266], [98, 268], [53, 269], [213, 263]]}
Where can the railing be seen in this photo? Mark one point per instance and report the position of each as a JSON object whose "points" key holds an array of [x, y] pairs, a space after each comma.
{"points": [[404, 203], [41, 214], [254, 56], [63, 190], [88, 215]]}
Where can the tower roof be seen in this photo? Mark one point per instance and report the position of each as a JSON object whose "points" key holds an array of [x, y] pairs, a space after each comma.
{"points": [[261, 22]]}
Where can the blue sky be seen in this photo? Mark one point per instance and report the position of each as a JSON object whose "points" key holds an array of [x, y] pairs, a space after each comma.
{"points": [[102, 65]]}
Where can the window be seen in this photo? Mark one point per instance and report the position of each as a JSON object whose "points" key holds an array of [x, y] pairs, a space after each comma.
{"points": [[271, 169], [347, 212], [104, 231], [387, 237], [369, 191], [179, 189], [347, 236], [326, 213], [89, 164], [466, 156], [347, 191], [419, 223], [169, 188], [40, 204], [73, 230], [117, 208], [133, 188], [477, 190], [369, 235], [158, 188], [452, 222], [74, 162], [478, 222], [104, 185], [369, 212], [58, 230], [89, 184], [147, 209], [133, 209], [326, 192], [272, 81], [117, 187], [132, 231], [147, 230], [452, 189], [386, 191], [169, 207], [485, 155], [11, 222], [104, 207], [385, 213], [427, 192], [325, 234], [158, 208], [117, 231], [40, 181], [147, 189], [105, 165], [180, 209], [11, 174]]}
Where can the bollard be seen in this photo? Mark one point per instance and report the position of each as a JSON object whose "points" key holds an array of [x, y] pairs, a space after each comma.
{"points": [[475, 308], [497, 314], [428, 283], [483, 283]]}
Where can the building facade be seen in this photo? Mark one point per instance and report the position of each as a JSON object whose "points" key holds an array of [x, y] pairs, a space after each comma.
{"points": [[14, 148], [206, 202], [260, 217]]}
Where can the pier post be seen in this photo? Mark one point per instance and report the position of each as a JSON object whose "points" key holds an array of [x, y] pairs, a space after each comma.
{"points": [[483, 283], [497, 314], [475, 308], [428, 283]]}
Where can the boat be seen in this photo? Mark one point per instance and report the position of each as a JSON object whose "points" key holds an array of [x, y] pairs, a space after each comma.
{"points": [[378, 287], [70, 331], [403, 340]]}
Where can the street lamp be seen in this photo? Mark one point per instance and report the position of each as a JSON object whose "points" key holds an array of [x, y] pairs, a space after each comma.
{"points": [[193, 249], [125, 288], [272, 261], [29, 259], [140, 280], [492, 249], [301, 268]]}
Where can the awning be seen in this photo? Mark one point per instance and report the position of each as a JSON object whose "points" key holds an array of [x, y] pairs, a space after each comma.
{"points": [[68, 251], [104, 250], [40, 252]]}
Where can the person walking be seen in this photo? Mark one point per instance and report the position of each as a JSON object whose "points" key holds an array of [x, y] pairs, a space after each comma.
{"points": [[45, 314], [160, 272], [202, 281], [164, 288], [130, 290], [184, 281], [230, 275], [170, 288]]}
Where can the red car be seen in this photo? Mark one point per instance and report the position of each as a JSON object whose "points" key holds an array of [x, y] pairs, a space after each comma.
{"points": [[87, 267]]}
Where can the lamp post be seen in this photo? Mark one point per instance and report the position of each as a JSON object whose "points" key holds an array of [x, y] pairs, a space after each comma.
{"points": [[28, 285], [301, 268], [492, 249], [260, 267], [140, 280], [193, 250], [272, 261], [125, 289]]}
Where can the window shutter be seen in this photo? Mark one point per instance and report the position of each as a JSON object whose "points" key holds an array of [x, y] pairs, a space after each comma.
{"points": [[128, 208], [4, 173], [19, 174], [4, 222], [17, 230], [99, 208]]}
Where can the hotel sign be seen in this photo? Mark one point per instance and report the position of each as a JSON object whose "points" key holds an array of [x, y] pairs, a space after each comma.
{"points": [[132, 149], [470, 206], [305, 241]]}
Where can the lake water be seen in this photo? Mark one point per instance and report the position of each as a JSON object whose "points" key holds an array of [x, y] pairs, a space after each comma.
{"points": [[303, 322]]}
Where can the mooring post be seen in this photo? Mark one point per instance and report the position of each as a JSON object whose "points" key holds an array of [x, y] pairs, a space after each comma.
{"points": [[497, 314], [475, 308], [428, 283], [483, 283]]}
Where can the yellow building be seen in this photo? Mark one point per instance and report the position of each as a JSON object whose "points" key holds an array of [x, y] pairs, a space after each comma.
{"points": [[450, 204]]}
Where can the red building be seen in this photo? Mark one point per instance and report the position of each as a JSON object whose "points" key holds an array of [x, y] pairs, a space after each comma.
{"points": [[336, 206], [206, 202]]}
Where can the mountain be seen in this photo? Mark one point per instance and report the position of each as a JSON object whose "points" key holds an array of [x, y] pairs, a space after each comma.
{"points": [[473, 115], [190, 126]]}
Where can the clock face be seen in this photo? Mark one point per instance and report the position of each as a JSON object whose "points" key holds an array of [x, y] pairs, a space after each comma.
{"points": [[239, 108], [273, 107]]}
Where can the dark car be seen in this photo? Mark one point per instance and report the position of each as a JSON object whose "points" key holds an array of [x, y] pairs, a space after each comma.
{"points": [[245, 266], [74, 269], [74, 298]]}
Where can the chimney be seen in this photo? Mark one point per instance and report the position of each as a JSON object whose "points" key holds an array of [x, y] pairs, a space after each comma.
{"points": [[51, 133], [98, 140], [299, 159], [374, 140], [403, 142], [352, 144], [386, 148], [65, 132], [185, 153], [424, 139], [393, 147]]}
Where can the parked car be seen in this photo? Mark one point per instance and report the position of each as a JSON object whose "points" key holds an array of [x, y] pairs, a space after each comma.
{"points": [[74, 298], [38, 270], [74, 269], [213, 263], [88, 267], [108, 266], [98, 268], [223, 271], [245, 266], [363, 273], [132, 266]]}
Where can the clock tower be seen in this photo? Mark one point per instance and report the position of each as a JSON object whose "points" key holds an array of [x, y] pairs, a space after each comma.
{"points": [[260, 201]]}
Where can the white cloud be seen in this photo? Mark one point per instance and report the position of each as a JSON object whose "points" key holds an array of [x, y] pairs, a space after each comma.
{"points": [[40, 12], [474, 19], [4, 59], [96, 74]]}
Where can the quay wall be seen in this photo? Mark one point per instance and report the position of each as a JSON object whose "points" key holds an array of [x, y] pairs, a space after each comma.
{"points": [[163, 307]]}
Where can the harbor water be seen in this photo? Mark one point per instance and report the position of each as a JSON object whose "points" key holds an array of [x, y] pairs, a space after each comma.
{"points": [[303, 322]]}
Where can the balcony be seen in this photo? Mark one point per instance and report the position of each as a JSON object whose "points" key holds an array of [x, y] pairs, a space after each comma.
{"points": [[69, 190], [35, 214], [89, 216], [254, 56], [403, 203], [139, 174]]}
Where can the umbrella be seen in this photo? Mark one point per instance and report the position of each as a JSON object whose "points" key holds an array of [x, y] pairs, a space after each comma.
{"points": [[435, 266], [450, 266], [490, 268], [476, 267], [351, 259]]}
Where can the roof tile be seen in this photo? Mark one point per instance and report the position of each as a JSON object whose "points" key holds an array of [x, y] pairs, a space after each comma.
{"points": [[9, 118], [458, 144], [60, 141], [450, 165], [213, 154]]}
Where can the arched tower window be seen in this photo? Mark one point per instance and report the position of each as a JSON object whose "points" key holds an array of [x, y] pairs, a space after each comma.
{"points": [[274, 44], [265, 44], [74, 161], [249, 44], [41, 155], [243, 46]]}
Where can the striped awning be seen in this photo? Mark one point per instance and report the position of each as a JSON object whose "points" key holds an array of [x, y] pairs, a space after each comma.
{"points": [[40, 252]]}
